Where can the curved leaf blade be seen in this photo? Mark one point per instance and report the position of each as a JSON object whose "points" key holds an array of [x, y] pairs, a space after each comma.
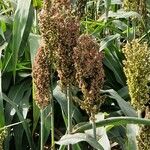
{"points": [[79, 137]]}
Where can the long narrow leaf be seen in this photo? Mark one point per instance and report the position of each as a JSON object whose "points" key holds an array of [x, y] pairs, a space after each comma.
{"points": [[21, 28], [24, 122], [125, 107], [79, 137], [113, 121]]}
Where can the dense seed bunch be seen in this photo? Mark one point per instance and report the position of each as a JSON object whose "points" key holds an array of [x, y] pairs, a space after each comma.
{"points": [[90, 73], [68, 32], [130, 5], [48, 29], [60, 5], [137, 66], [3, 135], [44, 21], [81, 4], [135, 5], [60, 29], [144, 135], [41, 78]]}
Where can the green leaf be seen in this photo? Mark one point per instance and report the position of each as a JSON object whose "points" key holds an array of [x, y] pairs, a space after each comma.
{"points": [[37, 3], [113, 62], [36, 116], [47, 122], [34, 41], [123, 92], [116, 2], [18, 130], [61, 98], [2, 34], [122, 14], [104, 43], [132, 132], [125, 106], [2, 119], [21, 27], [76, 147], [21, 118], [113, 121], [79, 137], [19, 94]]}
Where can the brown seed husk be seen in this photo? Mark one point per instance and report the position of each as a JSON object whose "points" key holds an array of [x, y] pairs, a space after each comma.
{"points": [[67, 26], [60, 30], [41, 79], [90, 72]]}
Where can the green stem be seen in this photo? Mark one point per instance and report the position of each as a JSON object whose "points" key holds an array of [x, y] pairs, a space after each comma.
{"points": [[94, 129], [36, 21], [86, 18], [69, 112], [107, 5], [96, 11], [113, 121], [52, 125], [42, 133], [52, 113], [134, 28], [128, 30], [2, 121], [106, 10], [11, 125]]}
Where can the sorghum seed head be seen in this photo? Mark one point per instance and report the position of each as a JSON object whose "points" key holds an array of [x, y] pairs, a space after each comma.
{"points": [[80, 4], [41, 78], [144, 135], [44, 21], [68, 31], [136, 68], [3, 135], [89, 72], [130, 5], [48, 28], [136, 5]]}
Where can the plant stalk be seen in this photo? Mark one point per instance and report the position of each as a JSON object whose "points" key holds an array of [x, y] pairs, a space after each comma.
{"points": [[36, 21], [42, 133], [128, 30], [69, 112], [52, 113], [134, 28], [52, 125], [94, 129]]}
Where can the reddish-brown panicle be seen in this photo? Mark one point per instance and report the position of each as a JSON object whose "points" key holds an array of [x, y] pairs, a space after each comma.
{"points": [[89, 72], [41, 79]]}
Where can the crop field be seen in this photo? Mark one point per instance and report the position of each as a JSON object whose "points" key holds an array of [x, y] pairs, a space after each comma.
{"points": [[74, 74]]}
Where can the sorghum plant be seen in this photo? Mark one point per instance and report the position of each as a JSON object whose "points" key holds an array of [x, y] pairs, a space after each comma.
{"points": [[137, 66], [68, 31], [138, 6], [89, 73], [144, 134], [41, 78], [3, 135]]}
